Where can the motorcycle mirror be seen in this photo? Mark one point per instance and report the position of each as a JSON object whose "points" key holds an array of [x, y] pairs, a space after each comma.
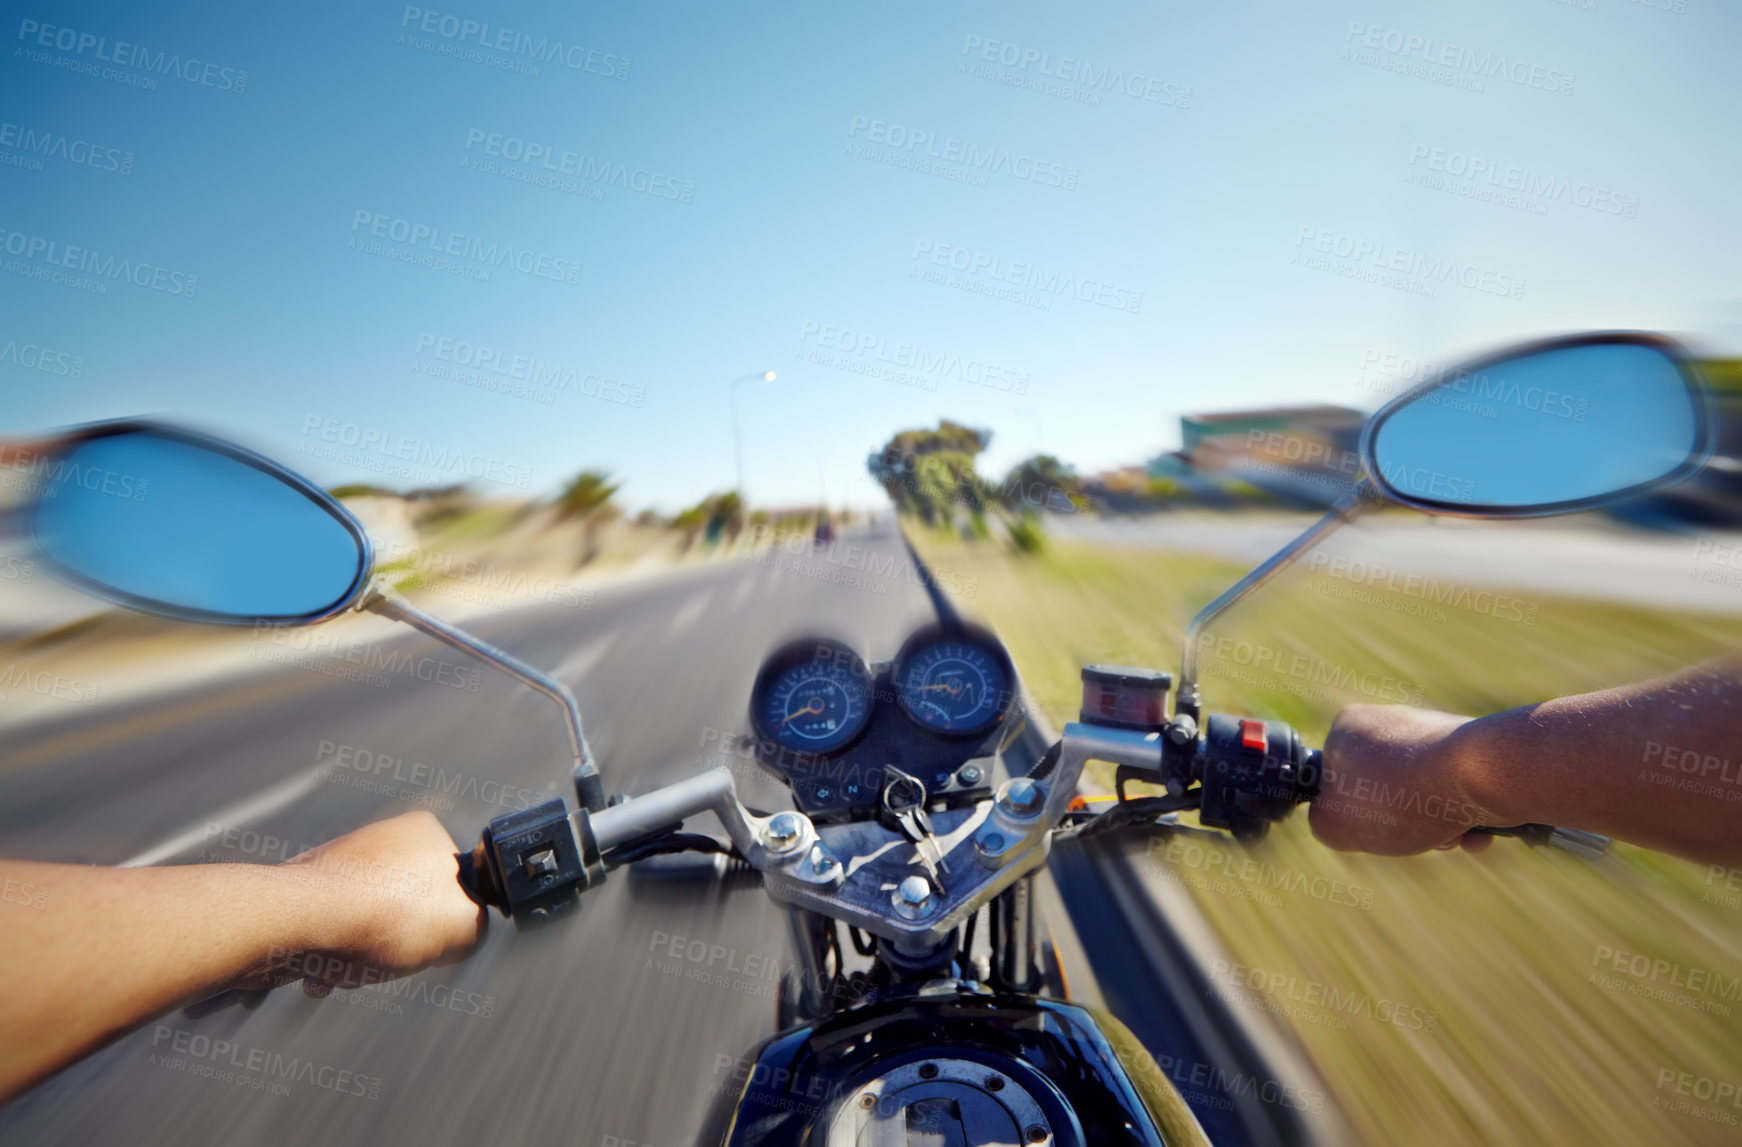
{"points": [[173, 522], [1551, 427], [169, 521], [1548, 428]]}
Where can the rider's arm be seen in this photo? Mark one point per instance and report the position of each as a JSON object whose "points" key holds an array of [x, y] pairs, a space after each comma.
{"points": [[90, 953], [1658, 764]]}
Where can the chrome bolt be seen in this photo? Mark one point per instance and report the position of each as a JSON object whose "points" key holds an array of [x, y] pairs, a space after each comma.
{"points": [[783, 832], [1022, 798], [970, 775], [991, 844], [821, 862], [913, 898]]}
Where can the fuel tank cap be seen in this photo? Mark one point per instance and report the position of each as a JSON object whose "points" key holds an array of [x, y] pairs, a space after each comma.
{"points": [[942, 1103]]}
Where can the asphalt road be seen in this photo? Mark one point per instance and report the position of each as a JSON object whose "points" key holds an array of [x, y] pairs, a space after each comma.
{"points": [[606, 1029], [1585, 555]]}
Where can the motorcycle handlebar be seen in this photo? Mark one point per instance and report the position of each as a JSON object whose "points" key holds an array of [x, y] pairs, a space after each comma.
{"points": [[533, 864]]}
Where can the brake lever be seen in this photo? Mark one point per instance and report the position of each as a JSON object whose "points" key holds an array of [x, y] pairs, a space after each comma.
{"points": [[1587, 845]]}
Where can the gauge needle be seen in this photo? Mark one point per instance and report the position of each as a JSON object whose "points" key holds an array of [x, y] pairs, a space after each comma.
{"points": [[951, 687], [814, 705]]}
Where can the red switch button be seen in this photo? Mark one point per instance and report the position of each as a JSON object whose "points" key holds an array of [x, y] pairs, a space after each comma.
{"points": [[1252, 735]]}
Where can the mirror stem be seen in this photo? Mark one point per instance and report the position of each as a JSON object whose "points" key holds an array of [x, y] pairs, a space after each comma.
{"points": [[589, 787], [1347, 509]]}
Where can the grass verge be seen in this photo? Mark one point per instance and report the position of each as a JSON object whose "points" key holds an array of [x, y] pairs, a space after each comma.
{"points": [[1449, 998]]}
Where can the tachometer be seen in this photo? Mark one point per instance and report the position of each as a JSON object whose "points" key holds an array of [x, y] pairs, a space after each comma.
{"points": [[813, 696], [954, 680]]}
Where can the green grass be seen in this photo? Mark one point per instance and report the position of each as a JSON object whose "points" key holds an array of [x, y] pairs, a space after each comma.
{"points": [[1500, 948]]}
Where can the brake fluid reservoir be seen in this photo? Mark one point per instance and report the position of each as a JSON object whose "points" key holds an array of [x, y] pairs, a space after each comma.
{"points": [[1125, 697]]}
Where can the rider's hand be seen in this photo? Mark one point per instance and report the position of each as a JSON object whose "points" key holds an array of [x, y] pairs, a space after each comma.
{"points": [[399, 906], [379, 902], [1393, 784]]}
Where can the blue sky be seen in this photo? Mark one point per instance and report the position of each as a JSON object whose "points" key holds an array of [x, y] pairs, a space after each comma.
{"points": [[1196, 206]]}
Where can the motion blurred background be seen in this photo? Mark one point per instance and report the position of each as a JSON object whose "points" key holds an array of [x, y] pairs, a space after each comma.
{"points": [[641, 337]]}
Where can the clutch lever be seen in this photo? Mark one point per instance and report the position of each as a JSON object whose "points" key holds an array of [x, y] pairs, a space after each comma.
{"points": [[1135, 812], [249, 998]]}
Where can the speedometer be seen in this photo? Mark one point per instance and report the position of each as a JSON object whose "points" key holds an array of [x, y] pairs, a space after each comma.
{"points": [[954, 680], [813, 696]]}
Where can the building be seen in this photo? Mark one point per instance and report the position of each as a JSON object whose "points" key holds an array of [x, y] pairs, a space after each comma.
{"points": [[1297, 454]]}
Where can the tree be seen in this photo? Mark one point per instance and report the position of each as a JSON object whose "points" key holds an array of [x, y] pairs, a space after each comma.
{"points": [[585, 494], [1042, 482], [588, 497], [928, 473], [728, 516], [690, 521], [713, 516]]}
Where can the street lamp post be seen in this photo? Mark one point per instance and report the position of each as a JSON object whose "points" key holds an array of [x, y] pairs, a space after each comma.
{"points": [[737, 437]]}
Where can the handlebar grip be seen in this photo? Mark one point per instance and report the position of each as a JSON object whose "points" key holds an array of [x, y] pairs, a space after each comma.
{"points": [[1589, 845], [478, 881]]}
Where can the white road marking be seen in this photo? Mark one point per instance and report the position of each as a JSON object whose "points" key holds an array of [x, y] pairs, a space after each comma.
{"points": [[233, 816], [745, 586], [577, 664], [690, 613], [287, 792]]}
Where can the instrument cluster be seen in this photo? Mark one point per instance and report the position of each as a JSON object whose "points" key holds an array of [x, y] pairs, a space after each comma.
{"points": [[829, 724]]}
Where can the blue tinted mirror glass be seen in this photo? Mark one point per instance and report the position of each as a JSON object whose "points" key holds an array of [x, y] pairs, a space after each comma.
{"points": [[1540, 430], [169, 524]]}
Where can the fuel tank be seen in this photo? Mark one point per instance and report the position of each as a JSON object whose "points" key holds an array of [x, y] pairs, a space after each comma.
{"points": [[950, 1066]]}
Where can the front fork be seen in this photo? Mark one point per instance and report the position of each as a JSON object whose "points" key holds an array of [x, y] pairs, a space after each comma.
{"points": [[1015, 957], [810, 990]]}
